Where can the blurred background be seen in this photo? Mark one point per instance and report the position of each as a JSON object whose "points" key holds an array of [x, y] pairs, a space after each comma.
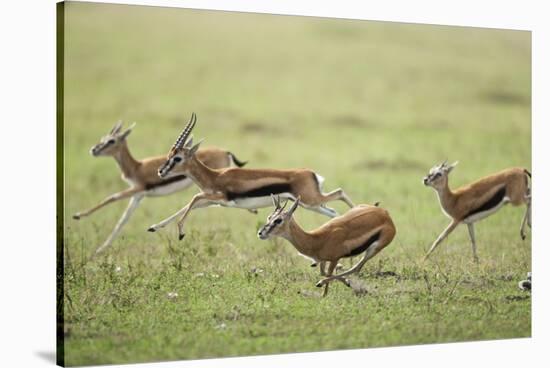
{"points": [[371, 106]]}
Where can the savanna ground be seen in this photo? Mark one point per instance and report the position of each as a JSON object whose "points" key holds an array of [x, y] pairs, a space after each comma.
{"points": [[371, 106]]}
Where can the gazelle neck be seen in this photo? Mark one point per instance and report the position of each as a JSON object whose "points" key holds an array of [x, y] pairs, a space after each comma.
{"points": [[303, 241], [447, 197], [127, 163], [202, 175]]}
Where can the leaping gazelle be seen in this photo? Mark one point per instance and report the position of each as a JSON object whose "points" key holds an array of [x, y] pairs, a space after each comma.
{"points": [[239, 187], [142, 175], [363, 229], [473, 202]]}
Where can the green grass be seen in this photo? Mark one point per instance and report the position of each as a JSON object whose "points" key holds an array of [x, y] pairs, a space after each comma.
{"points": [[371, 106]]}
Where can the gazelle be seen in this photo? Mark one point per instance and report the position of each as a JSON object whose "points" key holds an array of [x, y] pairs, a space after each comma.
{"points": [[363, 229], [142, 175], [238, 187], [473, 202]]}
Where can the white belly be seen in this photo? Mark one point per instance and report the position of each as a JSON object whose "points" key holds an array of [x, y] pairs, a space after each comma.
{"points": [[481, 215], [255, 202], [170, 188]]}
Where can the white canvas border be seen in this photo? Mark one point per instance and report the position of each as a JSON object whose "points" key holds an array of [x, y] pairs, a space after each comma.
{"points": [[28, 185]]}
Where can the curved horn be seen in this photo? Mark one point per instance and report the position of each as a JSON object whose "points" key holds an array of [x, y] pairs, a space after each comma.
{"points": [[185, 133]]}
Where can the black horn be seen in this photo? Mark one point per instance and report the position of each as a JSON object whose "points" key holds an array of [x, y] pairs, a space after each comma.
{"points": [[185, 133]]}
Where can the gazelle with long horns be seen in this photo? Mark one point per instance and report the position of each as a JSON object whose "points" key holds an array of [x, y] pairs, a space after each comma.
{"points": [[363, 229], [473, 202], [239, 187], [142, 175]]}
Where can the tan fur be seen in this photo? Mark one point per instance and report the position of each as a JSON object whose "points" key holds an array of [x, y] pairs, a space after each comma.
{"points": [[335, 239], [460, 204], [229, 187], [238, 180], [142, 175], [145, 172], [340, 235]]}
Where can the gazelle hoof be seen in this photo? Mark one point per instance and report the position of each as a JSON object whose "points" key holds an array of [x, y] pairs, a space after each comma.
{"points": [[181, 236], [314, 264], [151, 229], [522, 236], [347, 282], [76, 217], [320, 284]]}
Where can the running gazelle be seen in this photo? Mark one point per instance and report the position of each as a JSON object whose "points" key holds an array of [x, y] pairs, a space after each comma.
{"points": [[473, 202], [363, 229], [239, 187], [142, 175]]}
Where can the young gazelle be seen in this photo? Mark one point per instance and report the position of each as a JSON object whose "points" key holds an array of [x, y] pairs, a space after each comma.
{"points": [[142, 175], [479, 199], [238, 187], [363, 229]]}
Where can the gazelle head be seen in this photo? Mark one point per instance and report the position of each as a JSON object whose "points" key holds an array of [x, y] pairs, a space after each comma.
{"points": [[279, 220], [181, 152], [110, 144], [437, 178]]}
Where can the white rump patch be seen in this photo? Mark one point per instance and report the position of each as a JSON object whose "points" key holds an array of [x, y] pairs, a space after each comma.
{"points": [[320, 181]]}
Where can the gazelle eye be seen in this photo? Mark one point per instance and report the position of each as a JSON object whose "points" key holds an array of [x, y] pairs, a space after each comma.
{"points": [[111, 141], [278, 221], [177, 159]]}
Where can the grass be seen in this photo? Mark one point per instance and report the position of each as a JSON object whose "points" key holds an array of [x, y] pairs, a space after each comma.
{"points": [[371, 106]]}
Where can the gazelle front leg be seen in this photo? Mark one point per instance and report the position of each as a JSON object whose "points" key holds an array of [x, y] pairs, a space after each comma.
{"points": [[166, 221], [331, 267], [473, 239], [183, 211], [441, 237], [110, 199], [132, 206], [198, 201]]}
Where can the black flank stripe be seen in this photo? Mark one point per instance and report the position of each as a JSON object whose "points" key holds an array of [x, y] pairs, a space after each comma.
{"points": [[493, 202], [161, 183], [265, 191], [364, 246]]}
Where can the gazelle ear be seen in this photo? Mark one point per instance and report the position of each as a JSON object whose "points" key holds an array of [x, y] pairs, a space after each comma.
{"points": [[127, 132], [294, 207], [276, 201], [189, 143], [195, 148], [452, 166]]}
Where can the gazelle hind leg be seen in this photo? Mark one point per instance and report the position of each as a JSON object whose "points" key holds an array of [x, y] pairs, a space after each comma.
{"points": [[323, 210], [526, 219], [473, 239], [331, 267], [337, 194], [369, 253]]}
